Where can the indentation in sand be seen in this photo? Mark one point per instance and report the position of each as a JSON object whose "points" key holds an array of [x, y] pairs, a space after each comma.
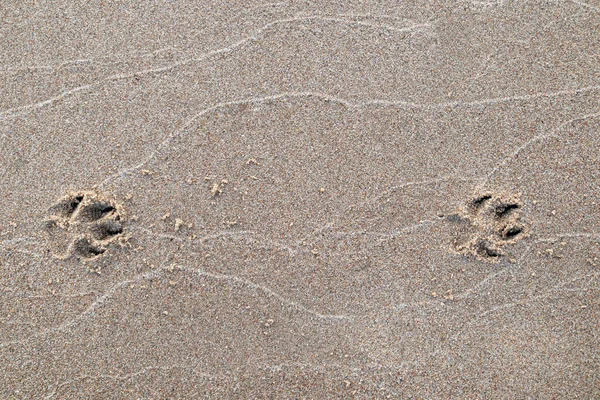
{"points": [[83, 225], [488, 224]]}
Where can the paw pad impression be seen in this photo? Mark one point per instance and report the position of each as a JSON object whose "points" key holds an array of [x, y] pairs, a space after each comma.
{"points": [[487, 225], [83, 225]]}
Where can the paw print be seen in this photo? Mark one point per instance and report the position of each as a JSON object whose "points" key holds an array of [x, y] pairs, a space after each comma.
{"points": [[83, 225], [487, 225]]}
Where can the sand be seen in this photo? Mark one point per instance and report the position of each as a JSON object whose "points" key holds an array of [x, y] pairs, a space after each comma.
{"points": [[296, 199]]}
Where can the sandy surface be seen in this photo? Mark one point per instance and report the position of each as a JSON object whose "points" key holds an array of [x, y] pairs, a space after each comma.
{"points": [[351, 199]]}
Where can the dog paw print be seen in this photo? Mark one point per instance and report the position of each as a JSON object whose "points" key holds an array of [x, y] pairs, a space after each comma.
{"points": [[83, 225], [487, 225]]}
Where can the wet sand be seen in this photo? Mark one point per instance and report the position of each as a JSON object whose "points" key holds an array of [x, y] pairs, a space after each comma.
{"points": [[300, 200]]}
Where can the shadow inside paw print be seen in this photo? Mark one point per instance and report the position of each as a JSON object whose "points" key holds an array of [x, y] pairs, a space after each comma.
{"points": [[83, 225], [488, 224]]}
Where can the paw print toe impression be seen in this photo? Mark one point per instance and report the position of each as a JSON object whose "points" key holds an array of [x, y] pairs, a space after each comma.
{"points": [[488, 224], [83, 225]]}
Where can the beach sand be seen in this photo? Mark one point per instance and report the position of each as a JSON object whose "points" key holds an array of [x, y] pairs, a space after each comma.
{"points": [[307, 200]]}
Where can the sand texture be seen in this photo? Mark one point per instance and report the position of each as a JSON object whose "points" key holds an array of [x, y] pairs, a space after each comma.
{"points": [[300, 199]]}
